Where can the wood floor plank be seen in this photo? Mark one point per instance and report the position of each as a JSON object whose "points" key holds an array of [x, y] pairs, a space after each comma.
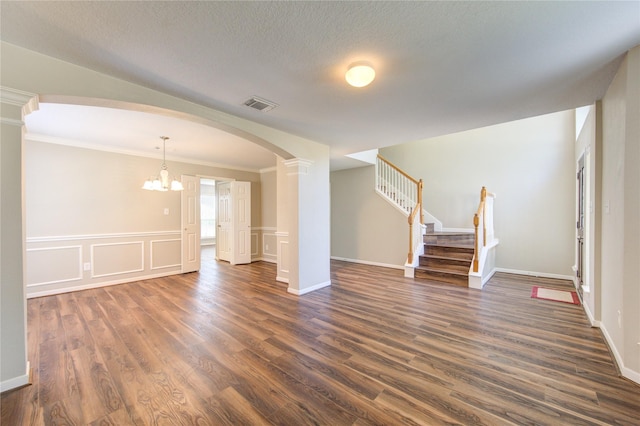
{"points": [[228, 345]]}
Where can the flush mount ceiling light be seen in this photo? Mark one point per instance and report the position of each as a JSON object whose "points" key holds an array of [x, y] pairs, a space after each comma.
{"points": [[161, 182], [360, 74]]}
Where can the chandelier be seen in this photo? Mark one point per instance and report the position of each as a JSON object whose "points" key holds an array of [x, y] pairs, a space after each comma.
{"points": [[162, 181]]}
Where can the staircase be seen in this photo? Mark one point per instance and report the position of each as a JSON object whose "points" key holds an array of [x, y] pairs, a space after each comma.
{"points": [[447, 256], [462, 258]]}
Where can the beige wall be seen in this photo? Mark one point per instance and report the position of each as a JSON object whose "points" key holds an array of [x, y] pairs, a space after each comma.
{"points": [[86, 206], [620, 208], [528, 163], [268, 239], [269, 186], [365, 227]]}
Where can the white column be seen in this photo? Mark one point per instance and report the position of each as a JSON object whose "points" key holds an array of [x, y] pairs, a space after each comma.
{"points": [[308, 225], [282, 222], [14, 366]]}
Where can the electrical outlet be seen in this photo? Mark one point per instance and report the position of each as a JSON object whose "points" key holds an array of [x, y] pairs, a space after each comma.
{"points": [[87, 266], [166, 211]]}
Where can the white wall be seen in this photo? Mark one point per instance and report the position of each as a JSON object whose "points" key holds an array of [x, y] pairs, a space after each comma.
{"points": [[620, 261], [528, 163], [365, 227]]}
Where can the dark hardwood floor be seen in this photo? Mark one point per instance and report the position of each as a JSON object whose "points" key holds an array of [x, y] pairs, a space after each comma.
{"points": [[229, 346]]}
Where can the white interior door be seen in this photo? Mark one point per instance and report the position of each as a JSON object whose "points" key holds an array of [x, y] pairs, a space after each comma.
{"points": [[223, 235], [241, 245], [190, 199]]}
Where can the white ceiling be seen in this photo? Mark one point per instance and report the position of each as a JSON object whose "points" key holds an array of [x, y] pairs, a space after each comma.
{"points": [[442, 67]]}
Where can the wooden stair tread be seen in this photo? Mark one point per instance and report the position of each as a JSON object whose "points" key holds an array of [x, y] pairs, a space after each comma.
{"points": [[450, 245], [455, 259], [436, 233], [442, 271]]}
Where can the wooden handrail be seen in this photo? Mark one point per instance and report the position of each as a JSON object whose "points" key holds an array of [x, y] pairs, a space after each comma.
{"points": [[397, 169]]}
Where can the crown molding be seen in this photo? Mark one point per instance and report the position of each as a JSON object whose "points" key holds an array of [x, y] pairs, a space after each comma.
{"points": [[26, 100]]}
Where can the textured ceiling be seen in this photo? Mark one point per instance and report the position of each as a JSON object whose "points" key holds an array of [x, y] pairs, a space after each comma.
{"points": [[441, 67]]}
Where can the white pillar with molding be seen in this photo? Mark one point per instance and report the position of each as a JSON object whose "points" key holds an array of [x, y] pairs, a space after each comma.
{"points": [[14, 365], [308, 211]]}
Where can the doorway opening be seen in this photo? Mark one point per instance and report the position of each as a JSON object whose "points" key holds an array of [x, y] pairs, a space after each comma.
{"points": [[208, 212]]}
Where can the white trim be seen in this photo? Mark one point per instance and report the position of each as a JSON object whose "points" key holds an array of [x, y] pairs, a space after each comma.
{"points": [[93, 263], [257, 239], [308, 289], [282, 233], [16, 97], [268, 169], [16, 382], [99, 236], [280, 250], [282, 279], [587, 311], [474, 277], [298, 166], [262, 259], [266, 252], [80, 268], [489, 276], [625, 371], [101, 284], [535, 274], [11, 122], [263, 228], [151, 265], [367, 262]]}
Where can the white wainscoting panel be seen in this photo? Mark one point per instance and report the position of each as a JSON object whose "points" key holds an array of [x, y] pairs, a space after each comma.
{"points": [[283, 261], [52, 265], [117, 258], [270, 244], [59, 264], [165, 253], [255, 247]]}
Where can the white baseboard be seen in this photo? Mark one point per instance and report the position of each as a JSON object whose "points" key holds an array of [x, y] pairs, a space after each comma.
{"points": [[264, 259], [282, 280], [16, 382], [587, 311], [100, 284], [535, 274], [625, 371], [366, 262], [309, 289]]}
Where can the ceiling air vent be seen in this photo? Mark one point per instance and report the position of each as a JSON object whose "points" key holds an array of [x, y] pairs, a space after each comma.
{"points": [[260, 104]]}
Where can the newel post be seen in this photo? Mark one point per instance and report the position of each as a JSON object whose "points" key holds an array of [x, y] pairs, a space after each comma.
{"points": [[420, 202], [476, 222]]}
